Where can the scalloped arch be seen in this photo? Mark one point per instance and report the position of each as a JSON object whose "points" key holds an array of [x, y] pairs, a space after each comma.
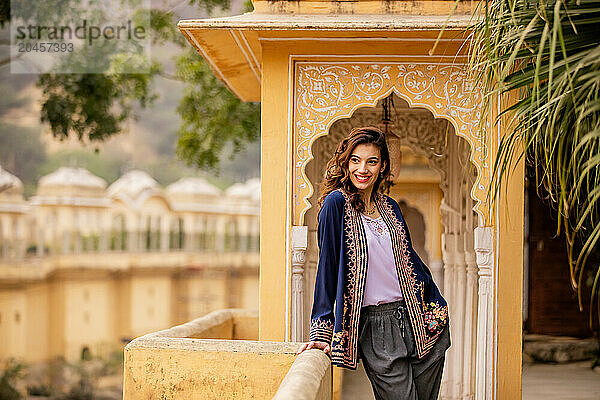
{"points": [[327, 91]]}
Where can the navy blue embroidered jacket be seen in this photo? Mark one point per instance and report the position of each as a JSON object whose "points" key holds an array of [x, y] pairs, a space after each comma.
{"points": [[342, 271]]}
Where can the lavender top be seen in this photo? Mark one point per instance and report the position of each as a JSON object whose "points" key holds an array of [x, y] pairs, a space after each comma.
{"points": [[382, 285]]}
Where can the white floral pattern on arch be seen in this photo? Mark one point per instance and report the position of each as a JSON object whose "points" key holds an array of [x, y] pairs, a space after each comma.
{"points": [[327, 91]]}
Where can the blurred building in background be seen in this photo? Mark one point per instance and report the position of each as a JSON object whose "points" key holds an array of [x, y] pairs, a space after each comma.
{"points": [[85, 267]]}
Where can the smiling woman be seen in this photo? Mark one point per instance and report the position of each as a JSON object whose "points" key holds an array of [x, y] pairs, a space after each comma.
{"points": [[388, 311], [360, 165], [365, 164]]}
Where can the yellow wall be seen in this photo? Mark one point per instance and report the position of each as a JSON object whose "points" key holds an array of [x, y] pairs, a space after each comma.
{"points": [[88, 317], [65, 300], [248, 297], [206, 369], [207, 291], [13, 323], [38, 322], [185, 362], [274, 204], [56, 311], [73, 309], [510, 287], [122, 298], [150, 309]]}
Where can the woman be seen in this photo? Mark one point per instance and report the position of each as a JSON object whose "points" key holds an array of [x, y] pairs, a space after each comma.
{"points": [[388, 311]]}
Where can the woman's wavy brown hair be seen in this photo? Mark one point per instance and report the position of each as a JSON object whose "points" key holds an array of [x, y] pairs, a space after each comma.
{"points": [[337, 174]]}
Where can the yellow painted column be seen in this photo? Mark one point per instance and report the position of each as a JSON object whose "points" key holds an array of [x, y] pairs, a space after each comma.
{"points": [[274, 212], [510, 286]]}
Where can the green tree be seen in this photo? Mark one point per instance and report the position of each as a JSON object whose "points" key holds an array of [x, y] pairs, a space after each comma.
{"points": [[547, 55], [212, 116], [21, 153], [94, 107]]}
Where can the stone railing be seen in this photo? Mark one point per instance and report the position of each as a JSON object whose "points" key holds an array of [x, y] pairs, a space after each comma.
{"points": [[73, 243], [229, 324], [309, 378], [217, 357], [207, 359]]}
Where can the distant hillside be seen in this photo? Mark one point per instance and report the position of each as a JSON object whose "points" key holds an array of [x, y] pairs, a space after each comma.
{"points": [[28, 150]]}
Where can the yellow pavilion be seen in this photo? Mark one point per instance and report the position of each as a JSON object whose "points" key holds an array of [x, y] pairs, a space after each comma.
{"points": [[320, 68]]}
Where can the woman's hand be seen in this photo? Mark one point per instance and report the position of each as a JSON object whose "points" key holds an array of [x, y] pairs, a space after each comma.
{"points": [[315, 345]]}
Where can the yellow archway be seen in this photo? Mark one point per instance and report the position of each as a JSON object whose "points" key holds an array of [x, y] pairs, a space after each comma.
{"points": [[324, 92]]}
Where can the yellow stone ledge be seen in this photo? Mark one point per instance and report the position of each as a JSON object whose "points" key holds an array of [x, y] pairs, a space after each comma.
{"points": [[177, 363], [231, 324]]}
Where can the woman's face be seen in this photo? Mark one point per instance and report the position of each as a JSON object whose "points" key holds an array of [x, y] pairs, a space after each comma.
{"points": [[364, 165]]}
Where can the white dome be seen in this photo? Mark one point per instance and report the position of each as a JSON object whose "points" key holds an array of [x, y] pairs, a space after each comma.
{"points": [[133, 184], [10, 184], [236, 190], [73, 177], [194, 187], [254, 188], [248, 190]]}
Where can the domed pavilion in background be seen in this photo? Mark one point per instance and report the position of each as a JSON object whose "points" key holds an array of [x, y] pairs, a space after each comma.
{"points": [[85, 268]]}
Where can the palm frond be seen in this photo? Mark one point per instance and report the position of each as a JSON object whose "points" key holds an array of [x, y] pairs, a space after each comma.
{"points": [[547, 53]]}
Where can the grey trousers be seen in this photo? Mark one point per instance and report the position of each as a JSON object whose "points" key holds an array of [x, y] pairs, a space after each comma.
{"points": [[386, 346]]}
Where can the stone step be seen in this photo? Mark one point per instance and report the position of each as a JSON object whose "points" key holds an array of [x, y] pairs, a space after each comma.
{"points": [[558, 349]]}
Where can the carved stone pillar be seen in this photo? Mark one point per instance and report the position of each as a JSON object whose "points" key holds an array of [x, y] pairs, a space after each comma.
{"points": [[454, 271], [449, 377], [484, 249], [299, 245], [470, 325], [460, 314]]}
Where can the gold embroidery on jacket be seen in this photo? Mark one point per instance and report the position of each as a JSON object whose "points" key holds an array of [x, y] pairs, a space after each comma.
{"points": [[426, 319], [345, 343]]}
